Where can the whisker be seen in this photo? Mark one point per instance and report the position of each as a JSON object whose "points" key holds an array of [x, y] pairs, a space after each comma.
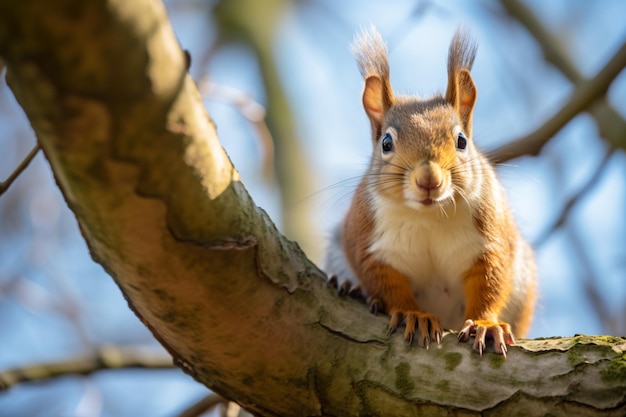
{"points": [[443, 210], [390, 187], [463, 195], [454, 201]]}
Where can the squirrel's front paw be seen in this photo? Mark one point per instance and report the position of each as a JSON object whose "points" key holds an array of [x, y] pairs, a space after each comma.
{"points": [[427, 324], [500, 332]]}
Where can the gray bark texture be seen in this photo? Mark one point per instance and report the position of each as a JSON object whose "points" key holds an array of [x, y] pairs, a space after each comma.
{"points": [[240, 308]]}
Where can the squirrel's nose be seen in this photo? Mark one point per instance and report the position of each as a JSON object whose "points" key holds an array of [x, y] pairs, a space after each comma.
{"points": [[429, 184], [429, 177]]}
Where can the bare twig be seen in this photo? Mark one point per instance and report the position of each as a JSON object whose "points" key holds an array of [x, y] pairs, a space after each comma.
{"points": [[550, 45], [252, 111], [585, 94], [235, 410], [108, 357], [4, 186], [610, 123], [36, 297], [597, 301], [205, 404], [573, 199]]}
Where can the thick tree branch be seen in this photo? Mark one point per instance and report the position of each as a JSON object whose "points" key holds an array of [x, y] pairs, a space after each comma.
{"points": [[239, 307]]}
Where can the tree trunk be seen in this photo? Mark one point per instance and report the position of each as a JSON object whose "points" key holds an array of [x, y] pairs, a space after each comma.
{"points": [[239, 307]]}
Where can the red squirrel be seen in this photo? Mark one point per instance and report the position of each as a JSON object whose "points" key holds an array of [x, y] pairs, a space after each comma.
{"points": [[429, 236]]}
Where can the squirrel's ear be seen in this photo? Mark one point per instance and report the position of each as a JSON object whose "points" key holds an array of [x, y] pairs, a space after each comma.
{"points": [[461, 94], [377, 99]]}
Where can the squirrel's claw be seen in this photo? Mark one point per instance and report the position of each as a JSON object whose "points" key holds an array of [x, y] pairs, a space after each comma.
{"points": [[332, 281], [375, 306], [500, 332], [344, 288], [396, 319], [357, 293], [479, 341], [417, 321], [438, 338], [501, 349], [466, 332]]}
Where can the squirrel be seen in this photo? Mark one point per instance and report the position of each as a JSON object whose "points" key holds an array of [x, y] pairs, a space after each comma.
{"points": [[429, 237]]}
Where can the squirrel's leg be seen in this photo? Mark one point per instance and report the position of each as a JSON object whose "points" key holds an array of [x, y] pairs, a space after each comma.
{"points": [[481, 311], [390, 290]]}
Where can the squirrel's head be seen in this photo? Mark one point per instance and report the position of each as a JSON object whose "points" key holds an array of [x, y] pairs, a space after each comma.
{"points": [[423, 150]]}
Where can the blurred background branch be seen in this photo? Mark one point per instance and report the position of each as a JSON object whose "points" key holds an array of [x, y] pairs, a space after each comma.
{"points": [[253, 111], [610, 123], [206, 403], [105, 358], [18, 170], [570, 203], [584, 95]]}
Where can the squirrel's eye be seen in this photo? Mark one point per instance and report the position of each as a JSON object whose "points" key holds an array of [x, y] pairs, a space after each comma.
{"points": [[387, 143], [461, 141]]}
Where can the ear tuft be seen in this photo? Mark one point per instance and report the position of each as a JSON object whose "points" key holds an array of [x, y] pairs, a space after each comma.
{"points": [[461, 92], [371, 55]]}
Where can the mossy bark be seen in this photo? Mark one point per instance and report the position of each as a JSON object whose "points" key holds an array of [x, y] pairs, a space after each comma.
{"points": [[239, 307]]}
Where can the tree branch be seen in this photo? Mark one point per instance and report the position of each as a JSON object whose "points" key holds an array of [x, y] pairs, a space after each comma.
{"points": [[573, 199], [4, 186], [109, 357], [238, 306], [585, 94], [610, 123], [253, 112], [205, 404]]}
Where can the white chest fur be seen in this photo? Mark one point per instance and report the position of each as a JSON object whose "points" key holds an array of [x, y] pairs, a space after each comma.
{"points": [[432, 249]]}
